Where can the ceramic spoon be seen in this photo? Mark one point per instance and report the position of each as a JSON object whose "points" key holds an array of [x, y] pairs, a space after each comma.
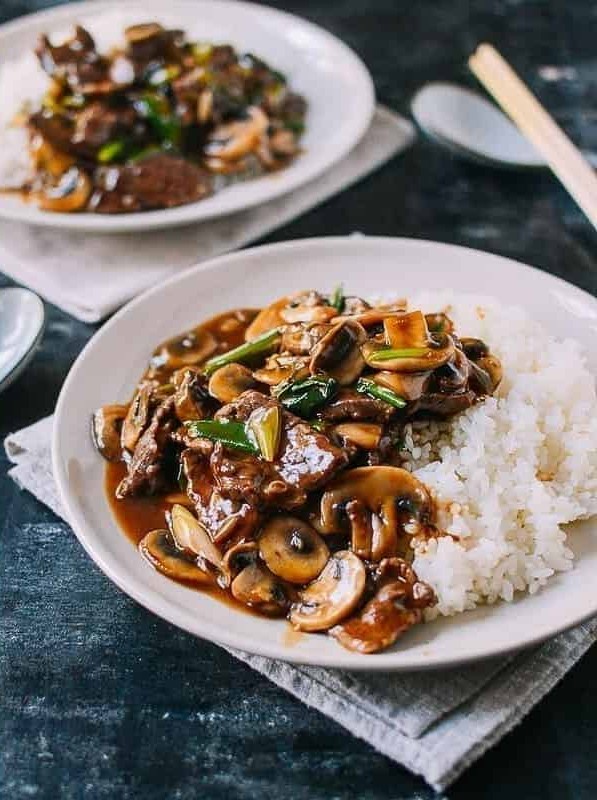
{"points": [[21, 328], [472, 127]]}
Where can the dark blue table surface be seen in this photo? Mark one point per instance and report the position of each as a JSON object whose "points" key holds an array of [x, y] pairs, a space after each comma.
{"points": [[100, 699]]}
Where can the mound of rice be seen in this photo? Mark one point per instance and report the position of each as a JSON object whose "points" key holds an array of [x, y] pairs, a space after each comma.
{"points": [[509, 473]]}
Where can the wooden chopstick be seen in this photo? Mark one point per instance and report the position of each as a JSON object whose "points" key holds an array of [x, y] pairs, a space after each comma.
{"points": [[564, 158]]}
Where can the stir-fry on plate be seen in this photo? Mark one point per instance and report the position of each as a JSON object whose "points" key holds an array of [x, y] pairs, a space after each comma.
{"points": [[121, 116], [388, 471]]}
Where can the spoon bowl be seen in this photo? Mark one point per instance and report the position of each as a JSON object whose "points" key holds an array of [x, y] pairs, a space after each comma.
{"points": [[473, 128], [21, 327]]}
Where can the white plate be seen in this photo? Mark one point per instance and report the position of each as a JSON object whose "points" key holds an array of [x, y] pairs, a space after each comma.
{"points": [[21, 328], [107, 369], [334, 80]]}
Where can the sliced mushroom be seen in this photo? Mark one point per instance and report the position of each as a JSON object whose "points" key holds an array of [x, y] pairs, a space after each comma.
{"points": [[474, 348], [233, 140], [452, 377], [282, 367], [260, 589], [230, 381], [292, 549], [338, 354], [380, 504], [193, 347], [106, 425], [371, 317], [71, 193], [267, 319], [205, 104], [307, 306], [409, 385], [437, 352], [138, 416], [366, 435], [238, 557], [189, 534], [159, 549], [300, 338], [332, 596], [141, 33], [397, 605], [190, 395]]}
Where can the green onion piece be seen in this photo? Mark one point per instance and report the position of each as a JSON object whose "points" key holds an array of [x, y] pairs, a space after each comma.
{"points": [[366, 386], [231, 434], [306, 396], [296, 126], [73, 101], [256, 347], [266, 426], [156, 111], [389, 354], [337, 299], [111, 151]]}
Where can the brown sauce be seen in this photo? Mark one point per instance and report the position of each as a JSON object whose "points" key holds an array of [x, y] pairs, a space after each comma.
{"points": [[136, 516]]}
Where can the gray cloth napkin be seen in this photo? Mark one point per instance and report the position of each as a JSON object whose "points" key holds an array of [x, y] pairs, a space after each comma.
{"points": [[90, 276], [434, 723]]}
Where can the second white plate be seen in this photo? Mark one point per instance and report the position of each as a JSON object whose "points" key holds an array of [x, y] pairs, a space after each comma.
{"points": [[335, 82]]}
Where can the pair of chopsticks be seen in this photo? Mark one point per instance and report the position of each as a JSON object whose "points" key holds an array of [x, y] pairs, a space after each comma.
{"points": [[565, 160]]}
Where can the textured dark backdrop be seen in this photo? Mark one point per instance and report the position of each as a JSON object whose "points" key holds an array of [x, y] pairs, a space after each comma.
{"points": [[100, 699]]}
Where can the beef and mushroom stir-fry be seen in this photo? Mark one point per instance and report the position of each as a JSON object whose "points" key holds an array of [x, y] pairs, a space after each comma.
{"points": [[158, 122], [267, 446]]}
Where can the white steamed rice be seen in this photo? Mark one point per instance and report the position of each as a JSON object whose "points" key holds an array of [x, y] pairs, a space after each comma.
{"points": [[509, 473]]}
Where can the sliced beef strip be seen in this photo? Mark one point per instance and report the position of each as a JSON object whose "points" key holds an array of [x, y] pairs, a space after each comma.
{"points": [[352, 405], [99, 124], [158, 181], [306, 460], [147, 469], [75, 61], [227, 520]]}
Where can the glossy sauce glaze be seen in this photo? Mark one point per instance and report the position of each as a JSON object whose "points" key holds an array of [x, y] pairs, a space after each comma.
{"points": [[138, 515]]}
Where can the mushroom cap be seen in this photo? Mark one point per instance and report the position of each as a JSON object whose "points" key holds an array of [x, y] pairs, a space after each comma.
{"points": [[366, 435], [257, 587], [281, 367], [379, 503], [159, 549], [230, 381], [189, 534], [332, 596], [71, 192], [267, 319], [409, 385], [233, 140], [370, 317], [106, 426], [338, 353], [422, 359], [292, 549], [137, 416], [192, 347]]}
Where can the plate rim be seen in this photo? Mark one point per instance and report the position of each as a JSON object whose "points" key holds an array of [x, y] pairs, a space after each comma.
{"points": [[149, 599], [194, 213]]}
